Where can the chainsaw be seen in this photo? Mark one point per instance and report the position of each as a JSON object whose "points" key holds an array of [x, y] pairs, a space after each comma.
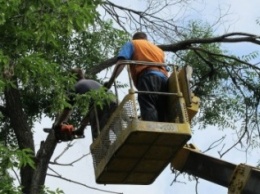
{"points": [[65, 132]]}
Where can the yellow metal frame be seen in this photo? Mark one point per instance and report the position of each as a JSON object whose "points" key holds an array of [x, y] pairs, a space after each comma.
{"points": [[141, 152], [181, 157], [239, 179]]}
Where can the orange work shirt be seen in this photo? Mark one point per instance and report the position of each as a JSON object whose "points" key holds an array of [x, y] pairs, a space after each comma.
{"points": [[146, 51]]}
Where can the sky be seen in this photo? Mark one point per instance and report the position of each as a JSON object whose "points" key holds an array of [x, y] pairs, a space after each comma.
{"points": [[241, 19]]}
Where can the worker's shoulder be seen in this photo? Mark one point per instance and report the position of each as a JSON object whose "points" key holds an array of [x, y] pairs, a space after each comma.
{"points": [[89, 82], [142, 41], [144, 44]]}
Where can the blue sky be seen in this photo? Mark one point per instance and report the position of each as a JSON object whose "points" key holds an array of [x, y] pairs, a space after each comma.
{"points": [[241, 19]]}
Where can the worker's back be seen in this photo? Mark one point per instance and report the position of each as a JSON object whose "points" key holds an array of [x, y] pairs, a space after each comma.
{"points": [[85, 85], [102, 112]]}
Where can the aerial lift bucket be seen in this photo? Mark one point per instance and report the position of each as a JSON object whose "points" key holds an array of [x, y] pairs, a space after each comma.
{"points": [[132, 151]]}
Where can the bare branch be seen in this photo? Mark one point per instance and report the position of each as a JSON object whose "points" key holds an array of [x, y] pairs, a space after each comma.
{"points": [[82, 184], [214, 144], [234, 145], [69, 145], [235, 37], [225, 57], [188, 45], [148, 20], [71, 163]]}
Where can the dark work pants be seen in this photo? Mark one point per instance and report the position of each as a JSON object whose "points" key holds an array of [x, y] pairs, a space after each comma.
{"points": [[152, 106]]}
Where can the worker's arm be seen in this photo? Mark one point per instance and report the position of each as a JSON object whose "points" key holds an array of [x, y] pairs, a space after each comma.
{"points": [[125, 53], [63, 117], [117, 70]]}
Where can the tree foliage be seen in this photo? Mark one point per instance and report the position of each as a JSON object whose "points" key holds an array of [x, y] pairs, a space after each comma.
{"points": [[226, 84], [41, 40], [10, 160]]}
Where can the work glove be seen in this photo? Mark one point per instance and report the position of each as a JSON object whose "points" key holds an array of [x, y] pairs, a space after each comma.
{"points": [[63, 132], [106, 85]]}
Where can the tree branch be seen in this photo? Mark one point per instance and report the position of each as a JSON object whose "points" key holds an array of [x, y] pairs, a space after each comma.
{"points": [[19, 122], [82, 184], [235, 37], [43, 157]]}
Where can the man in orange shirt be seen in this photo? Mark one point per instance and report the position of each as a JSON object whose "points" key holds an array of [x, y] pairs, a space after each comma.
{"points": [[145, 77]]}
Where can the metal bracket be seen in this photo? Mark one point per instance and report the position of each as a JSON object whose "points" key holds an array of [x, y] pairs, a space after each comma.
{"points": [[239, 179]]}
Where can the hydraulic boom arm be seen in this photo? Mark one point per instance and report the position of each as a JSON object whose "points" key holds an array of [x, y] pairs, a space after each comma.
{"points": [[239, 179]]}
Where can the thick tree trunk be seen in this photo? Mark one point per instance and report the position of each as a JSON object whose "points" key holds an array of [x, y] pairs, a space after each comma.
{"points": [[24, 135], [42, 160], [43, 157], [32, 180]]}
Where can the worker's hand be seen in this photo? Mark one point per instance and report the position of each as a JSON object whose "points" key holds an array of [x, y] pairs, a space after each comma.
{"points": [[107, 85], [56, 127]]}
